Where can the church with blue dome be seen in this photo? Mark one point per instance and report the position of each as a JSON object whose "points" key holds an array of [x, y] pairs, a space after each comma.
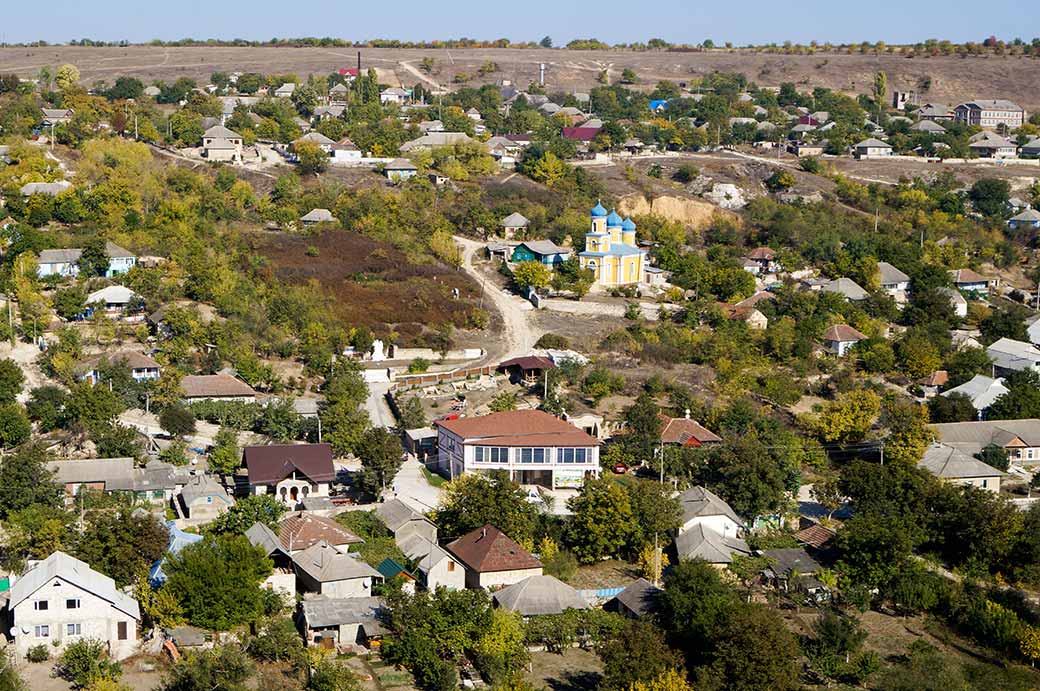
{"points": [[611, 252]]}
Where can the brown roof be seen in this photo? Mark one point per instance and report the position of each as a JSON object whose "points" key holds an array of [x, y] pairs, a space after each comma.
{"points": [[519, 428], [529, 362], [843, 332], [489, 549], [756, 298], [814, 536], [738, 312], [214, 386], [681, 430], [270, 464], [936, 378], [761, 253], [967, 276], [300, 531]]}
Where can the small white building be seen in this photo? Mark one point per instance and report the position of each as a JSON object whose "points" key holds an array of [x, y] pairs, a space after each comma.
{"points": [[324, 570], [437, 568], [872, 148], [982, 391], [393, 95], [840, 338]]}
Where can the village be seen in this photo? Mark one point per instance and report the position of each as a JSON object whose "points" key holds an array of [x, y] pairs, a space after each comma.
{"points": [[323, 382]]}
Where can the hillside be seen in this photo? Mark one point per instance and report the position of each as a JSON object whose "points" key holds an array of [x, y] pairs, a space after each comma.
{"points": [[951, 78]]}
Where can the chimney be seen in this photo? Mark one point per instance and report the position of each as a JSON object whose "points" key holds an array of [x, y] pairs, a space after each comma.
{"points": [[687, 413]]}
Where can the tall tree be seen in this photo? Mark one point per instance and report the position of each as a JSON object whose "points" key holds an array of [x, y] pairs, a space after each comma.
{"points": [[381, 457], [601, 522], [472, 501], [25, 481]]}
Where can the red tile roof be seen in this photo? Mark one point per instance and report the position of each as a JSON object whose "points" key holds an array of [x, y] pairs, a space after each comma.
{"points": [[581, 134], [268, 465], [814, 536], [936, 378], [761, 253], [300, 531], [756, 298], [214, 386], [686, 432], [518, 428], [488, 549], [843, 332]]}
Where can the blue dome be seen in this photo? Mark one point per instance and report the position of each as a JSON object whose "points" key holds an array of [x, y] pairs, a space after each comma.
{"points": [[598, 211], [613, 220], [629, 224]]}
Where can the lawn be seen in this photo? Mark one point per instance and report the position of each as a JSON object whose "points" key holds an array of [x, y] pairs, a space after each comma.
{"points": [[433, 478]]}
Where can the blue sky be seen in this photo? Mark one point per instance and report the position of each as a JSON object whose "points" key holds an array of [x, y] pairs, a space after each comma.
{"points": [[678, 21]]}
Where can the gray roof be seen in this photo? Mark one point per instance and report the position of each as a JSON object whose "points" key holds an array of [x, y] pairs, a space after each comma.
{"points": [[700, 501], [972, 437], [318, 216], [202, 487], [424, 553], [982, 390], [316, 137], [432, 139], [954, 295], [263, 537], [991, 104], [515, 220], [950, 463], [539, 595], [113, 251], [155, 475], [872, 143], [92, 470], [701, 542], [323, 612], [928, 126], [791, 559], [395, 513], [325, 564], [114, 295], [847, 287], [66, 256], [1029, 215], [220, 132], [890, 275], [78, 573], [640, 597], [1013, 355], [52, 189], [544, 247], [400, 164]]}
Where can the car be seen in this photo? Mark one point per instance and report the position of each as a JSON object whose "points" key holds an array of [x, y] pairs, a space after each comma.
{"points": [[620, 468]]}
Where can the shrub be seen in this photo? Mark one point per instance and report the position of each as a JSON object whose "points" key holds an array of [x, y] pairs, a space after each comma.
{"points": [[555, 341], [85, 662], [38, 653], [686, 173], [810, 164], [418, 365], [563, 565]]}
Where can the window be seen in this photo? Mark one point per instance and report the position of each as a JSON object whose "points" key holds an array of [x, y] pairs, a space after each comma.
{"points": [[72, 629], [532, 455], [41, 605], [451, 566], [43, 631], [72, 603], [491, 454], [121, 631], [572, 455]]}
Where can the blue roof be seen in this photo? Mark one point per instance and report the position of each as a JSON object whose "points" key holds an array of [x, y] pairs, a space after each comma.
{"points": [[617, 249], [390, 569], [179, 539], [654, 105], [629, 224], [613, 220], [598, 211]]}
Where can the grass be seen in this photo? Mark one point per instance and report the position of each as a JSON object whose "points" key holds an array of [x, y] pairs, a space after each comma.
{"points": [[433, 478]]}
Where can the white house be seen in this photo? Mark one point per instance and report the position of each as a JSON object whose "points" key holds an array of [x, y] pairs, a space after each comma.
{"points": [[222, 144], [957, 301], [324, 570], [285, 90], [65, 262], [115, 299], [982, 391], [535, 448], [142, 367], [62, 600], [872, 148], [435, 565], [969, 281], [345, 151], [953, 465], [393, 95], [893, 281], [710, 529], [291, 472], [840, 338], [1009, 355]]}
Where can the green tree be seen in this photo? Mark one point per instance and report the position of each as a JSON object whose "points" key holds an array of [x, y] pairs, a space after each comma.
{"points": [[531, 274], [637, 641], [88, 406], [45, 406], [223, 668], [781, 180], [1022, 401], [178, 420], [693, 606], [754, 651], [15, 427], [1008, 321], [644, 427], [848, 419], [655, 512], [955, 407], [600, 524], [67, 77], [310, 158], [120, 544], [343, 418], [25, 481], [217, 581], [548, 170], [70, 302], [473, 501], [256, 508], [226, 457], [546, 42], [990, 196], [11, 380], [381, 457], [994, 455], [94, 260], [413, 416], [501, 651], [85, 662]]}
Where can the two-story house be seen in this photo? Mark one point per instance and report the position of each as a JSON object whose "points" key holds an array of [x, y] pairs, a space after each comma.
{"points": [[709, 529], [291, 472], [142, 368], [531, 445], [990, 113], [62, 600], [222, 144]]}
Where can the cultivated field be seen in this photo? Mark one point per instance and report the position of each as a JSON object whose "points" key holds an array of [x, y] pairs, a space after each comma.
{"points": [[952, 79]]}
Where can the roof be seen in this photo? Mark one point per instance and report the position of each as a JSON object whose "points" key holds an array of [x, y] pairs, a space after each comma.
{"points": [[316, 137], [388, 568], [318, 216], [518, 428], [273, 463], [967, 276], [640, 597], [847, 287], [488, 549], [322, 562], [1014, 355], [78, 573], [698, 502], [581, 134], [395, 514], [991, 104], [539, 595], [214, 386], [955, 295], [322, 612], [936, 378], [202, 487], [972, 437], [56, 112], [928, 126], [843, 333], [131, 358], [950, 463], [681, 430], [701, 542], [544, 247], [91, 470], [400, 164], [432, 139], [66, 256], [872, 143], [616, 249], [982, 390], [116, 295], [300, 531], [49, 188], [515, 220], [890, 274], [790, 559], [528, 362], [113, 251], [263, 537], [424, 553], [1029, 215], [761, 253], [220, 132], [815, 536], [598, 211], [755, 299]]}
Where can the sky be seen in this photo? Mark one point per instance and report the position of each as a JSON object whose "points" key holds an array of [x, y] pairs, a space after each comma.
{"points": [[613, 21]]}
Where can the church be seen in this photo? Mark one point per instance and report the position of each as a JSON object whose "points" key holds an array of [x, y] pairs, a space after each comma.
{"points": [[611, 251]]}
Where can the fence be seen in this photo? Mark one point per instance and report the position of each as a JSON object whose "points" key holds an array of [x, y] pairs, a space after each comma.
{"points": [[407, 381], [601, 593]]}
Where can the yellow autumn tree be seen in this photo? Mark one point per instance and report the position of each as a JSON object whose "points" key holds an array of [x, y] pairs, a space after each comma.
{"points": [[672, 680], [1029, 644]]}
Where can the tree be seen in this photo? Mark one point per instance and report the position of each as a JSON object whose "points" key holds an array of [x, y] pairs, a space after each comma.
{"points": [[70, 302], [744, 472], [637, 641], [85, 662], [94, 260], [644, 427], [45, 406], [546, 42], [342, 417], [600, 524], [89, 406], [25, 481], [15, 427], [223, 668], [1005, 322], [781, 180], [67, 77], [629, 76], [672, 680], [880, 88], [693, 606], [1022, 400], [531, 274], [413, 416], [225, 458], [548, 170], [256, 508], [995, 456], [473, 501], [381, 457], [11, 380], [310, 158], [918, 356], [990, 196], [217, 581], [955, 407], [827, 492], [178, 420], [848, 419], [873, 548], [501, 652], [120, 544], [754, 651]]}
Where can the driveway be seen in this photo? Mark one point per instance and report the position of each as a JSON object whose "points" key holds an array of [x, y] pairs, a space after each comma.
{"points": [[378, 409], [411, 487]]}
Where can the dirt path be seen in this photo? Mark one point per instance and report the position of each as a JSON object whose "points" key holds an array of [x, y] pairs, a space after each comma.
{"points": [[411, 69], [25, 356]]}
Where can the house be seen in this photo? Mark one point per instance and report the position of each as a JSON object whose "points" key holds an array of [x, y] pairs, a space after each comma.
{"points": [[933, 382], [533, 446], [119, 260], [756, 298], [991, 145], [400, 169], [948, 463], [283, 576], [792, 568], [982, 391], [285, 90], [179, 539], [656, 277], [300, 531], [957, 301], [846, 287], [871, 148], [701, 542], [216, 387], [1033, 329], [928, 127], [291, 472], [437, 568], [893, 281], [1026, 220], [1031, 149], [436, 140], [338, 93], [539, 596], [428, 126], [1020, 439], [803, 149], [50, 189], [142, 368], [204, 499], [316, 216], [393, 95], [542, 251], [345, 151], [323, 570], [682, 431], [62, 600], [749, 315], [936, 112], [969, 281], [611, 250], [701, 506], [1009, 355], [990, 114], [636, 601], [329, 112], [581, 134], [155, 483], [765, 258], [421, 442], [317, 138], [113, 300], [66, 262], [514, 223], [492, 558], [334, 623], [221, 144], [403, 522], [840, 338], [57, 116]]}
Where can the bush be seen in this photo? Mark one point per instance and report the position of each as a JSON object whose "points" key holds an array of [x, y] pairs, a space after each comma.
{"points": [[554, 341], [810, 164], [686, 173], [418, 365], [38, 653], [85, 662], [563, 565]]}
